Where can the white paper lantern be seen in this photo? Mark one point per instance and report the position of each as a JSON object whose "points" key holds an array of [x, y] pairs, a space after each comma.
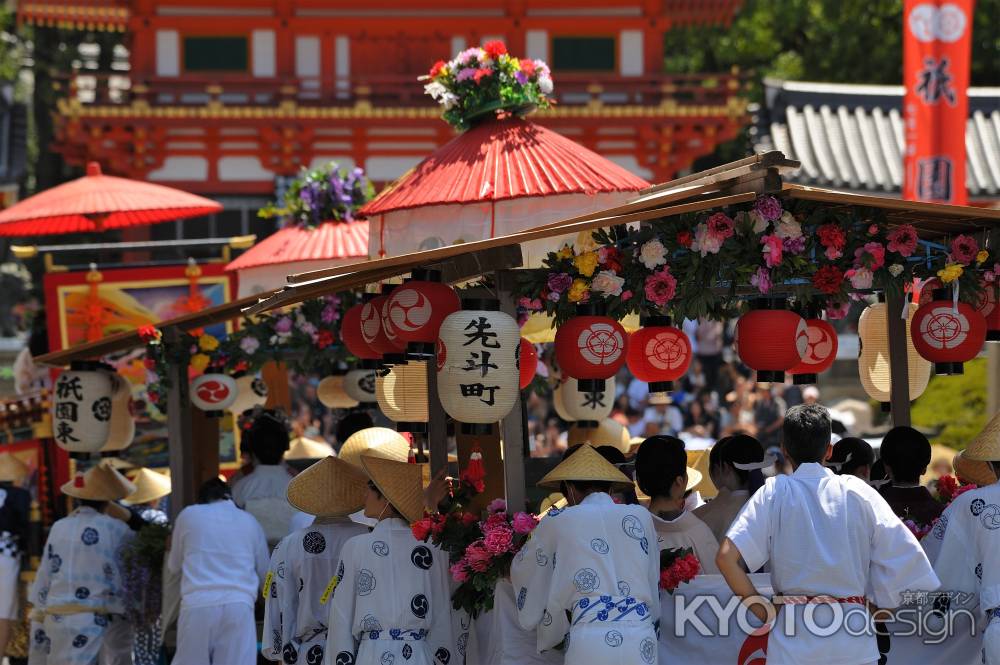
{"points": [[213, 393], [402, 395], [332, 394], [874, 368], [359, 384], [587, 408], [478, 364], [122, 422], [81, 408], [251, 391]]}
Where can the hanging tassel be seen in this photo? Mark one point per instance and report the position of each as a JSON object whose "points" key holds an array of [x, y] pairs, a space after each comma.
{"points": [[475, 472], [412, 457]]}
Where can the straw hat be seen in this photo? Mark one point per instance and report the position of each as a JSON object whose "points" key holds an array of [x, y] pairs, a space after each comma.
{"points": [[303, 448], [399, 482], [101, 483], [973, 471], [585, 464], [609, 433], [986, 446], [149, 486], [12, 469], [375, 442], [329, 488]]}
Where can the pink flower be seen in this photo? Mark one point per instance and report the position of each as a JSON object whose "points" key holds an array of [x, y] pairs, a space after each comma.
{"points": [[494, 521], [964, 249], [660, 287], [626, 295], [772, 250], [762, 280], [720, 225], [283, 325], [466, 74], [524, 523], [558, 282], [873, 229], [532, 305], [499, 540], [768, 207], [835, 310], [871, 256], [497, 506], [902, 240], [705, 242], [794, 245], [459, 572], [477, 557], [860, 277]]}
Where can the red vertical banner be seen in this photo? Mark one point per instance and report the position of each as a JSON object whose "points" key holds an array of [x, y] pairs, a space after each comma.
{"points": [[937, 42]]}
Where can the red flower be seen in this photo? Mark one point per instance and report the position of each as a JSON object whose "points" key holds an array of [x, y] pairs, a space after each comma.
{"points": [[495, 48], [610, 258], [436, 69], [148, 334], [481, 73], [964, 249], [946, 486], [833, 238], [468, 519], [528, 67], [720, 225], [684, 238], [149, 363], [324, 339], [421, 529], [828, 279]]}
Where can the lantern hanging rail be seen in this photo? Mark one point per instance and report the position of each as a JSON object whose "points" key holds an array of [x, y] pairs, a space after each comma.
{"points": [[30, 251]]}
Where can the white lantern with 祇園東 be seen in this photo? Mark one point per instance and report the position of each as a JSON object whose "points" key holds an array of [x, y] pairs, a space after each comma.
{"points": [[251, 391], [122, 430], [332, 393], [359, 384], [401, 392], [213, 393], [479, 376], [874, 367], [81, 407], [587, 407]]}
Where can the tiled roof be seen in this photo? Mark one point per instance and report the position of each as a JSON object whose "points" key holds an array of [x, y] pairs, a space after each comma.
{"points": [[851, 136]]}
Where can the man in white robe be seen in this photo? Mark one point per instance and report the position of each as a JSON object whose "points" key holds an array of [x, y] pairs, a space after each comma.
{"points": [[969, 530], [304, 563], [78, 616], [596, 560], [392, 602], [831, 541], [262, 492]]}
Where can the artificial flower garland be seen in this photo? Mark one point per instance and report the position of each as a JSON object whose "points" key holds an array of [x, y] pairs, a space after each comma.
{"points": [[325, 194]]}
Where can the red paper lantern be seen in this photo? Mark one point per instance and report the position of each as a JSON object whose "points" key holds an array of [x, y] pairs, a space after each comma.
{"points": [[989, 307], [771, 339], [947, 335], [658, 353], [350, 332], [820, 353], [529, 363], [591, 347], [415, 310], [372, 329]]}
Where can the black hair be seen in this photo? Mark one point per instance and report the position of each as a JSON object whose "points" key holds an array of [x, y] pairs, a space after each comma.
{"points": [[353, 422], [267, 437], [92, 503], [739, 449], [659, 461], [214, 489], [859, 452], [617, 457], [807, 433], [907, 453], [878, 471]]}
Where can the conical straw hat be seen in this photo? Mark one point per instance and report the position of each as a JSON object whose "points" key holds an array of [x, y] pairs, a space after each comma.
{"points": [[101, 483], [609, 433], [303, 448], [973, 471], [375, 442], [329, 488], [149, 486], [585, 464], [400, 483], [986, 446], [12, 469]]}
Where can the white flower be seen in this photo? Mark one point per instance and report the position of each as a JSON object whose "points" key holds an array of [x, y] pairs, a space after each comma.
{"points": [[545, 84], [759, 223], [436, 90], [861, 278], [704, 242], [652, 254], [788, 227], [448, 100], [895, 270], [608, 283]]}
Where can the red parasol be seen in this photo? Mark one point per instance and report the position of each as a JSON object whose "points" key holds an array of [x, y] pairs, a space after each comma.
{"points": [[99, 202], [292, 244]]}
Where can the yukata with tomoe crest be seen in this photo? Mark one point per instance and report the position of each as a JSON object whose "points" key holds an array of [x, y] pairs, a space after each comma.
{"points": [[392, 604], [589, 578]]}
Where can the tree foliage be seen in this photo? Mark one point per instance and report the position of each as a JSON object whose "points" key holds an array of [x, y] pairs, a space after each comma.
{"points": [[955, 406]]}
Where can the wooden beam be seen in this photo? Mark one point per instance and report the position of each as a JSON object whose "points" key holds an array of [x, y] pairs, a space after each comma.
{"points": [[512, 431], [180, 439], [437, 422], [767, 160], [899, 367]]}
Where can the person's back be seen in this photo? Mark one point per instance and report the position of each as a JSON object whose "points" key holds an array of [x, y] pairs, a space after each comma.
{"points": [[906, 452]]}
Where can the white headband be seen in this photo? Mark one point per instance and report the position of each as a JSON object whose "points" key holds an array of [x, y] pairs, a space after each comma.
{"points": [[878, 483], [768, 460], [838, 465]]}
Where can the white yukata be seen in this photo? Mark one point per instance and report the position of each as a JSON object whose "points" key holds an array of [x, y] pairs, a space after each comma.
{"points": [[392, 603], [828, 535], [969, 559], [598, 561], [263, 494], [78, 591], [689, 532], [302, 568]]}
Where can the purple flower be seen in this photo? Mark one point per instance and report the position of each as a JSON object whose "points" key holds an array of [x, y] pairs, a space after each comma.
{"points": [[558, 282], [768, 207], [329, 314], [465, 74], [795, 245], [521, 77], [553, 296], [497, 506], [283, 325], [762, 280]]}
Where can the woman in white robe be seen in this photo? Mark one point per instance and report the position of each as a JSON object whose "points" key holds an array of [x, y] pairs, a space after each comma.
{"points": [[588, 578], [734, 464], [305, 562], [661, 472], [392, 602]]}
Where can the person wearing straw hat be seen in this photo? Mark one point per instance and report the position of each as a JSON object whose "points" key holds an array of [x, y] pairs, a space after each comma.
{"points": [[78, 615], [15, 508], [150, 488], [221, 553], [303, 565], [588, 576], [392, 602], [663, 475], [969, 530], [734, 465]]}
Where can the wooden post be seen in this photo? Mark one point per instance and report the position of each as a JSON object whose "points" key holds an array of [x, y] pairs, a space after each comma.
{"points": [[899, 367], [279, 395], [512, 430], [205, 441], [437, 422], [179, 436]]}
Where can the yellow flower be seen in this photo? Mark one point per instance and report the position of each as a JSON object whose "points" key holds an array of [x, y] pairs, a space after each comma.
{"points": [[565, 253], [578, 291], [586, 263], [950, 273], [208, 343], [199, 362], [982, 257]]}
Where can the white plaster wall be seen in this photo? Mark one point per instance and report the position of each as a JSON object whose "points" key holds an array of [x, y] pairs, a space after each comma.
{"points": [[263, 56], [536, 44], [630, 46], [181, 168], [168, 53], [243, 168]]}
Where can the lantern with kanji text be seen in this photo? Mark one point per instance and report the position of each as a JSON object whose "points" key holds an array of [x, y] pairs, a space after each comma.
{"points": [[415, 310], [251, 391], [81, 407], [359, 384], [586, 408], [591, 346], [771, 339], [658, 353], [821, 350], [948, 333], [122, 430]]}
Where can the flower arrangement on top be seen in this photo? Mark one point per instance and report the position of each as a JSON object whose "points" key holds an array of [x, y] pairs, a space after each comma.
{"points": [[479, 81], [819, 255], [328, 193]]}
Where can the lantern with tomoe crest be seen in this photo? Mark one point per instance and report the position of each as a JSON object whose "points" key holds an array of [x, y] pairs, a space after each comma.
{"points": [[658, 353], [771, 339], [529, 363], [415, 310], [81, 407], [821, 349], [213, 393], [591, 346]]}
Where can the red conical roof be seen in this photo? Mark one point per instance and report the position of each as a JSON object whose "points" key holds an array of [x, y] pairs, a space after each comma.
{"points": [[99, 202], [329, 240], [504, 159]]}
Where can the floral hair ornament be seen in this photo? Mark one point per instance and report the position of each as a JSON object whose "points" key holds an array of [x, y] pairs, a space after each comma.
{"points": [[769, 460]]}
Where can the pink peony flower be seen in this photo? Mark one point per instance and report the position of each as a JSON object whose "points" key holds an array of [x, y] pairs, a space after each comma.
{"points": [[524, 523], [459, 572], [660, 287], [477, 557], [772, 250], [964, 249], [871, 256], [835, 311], [762, 280], [626, 295], [530, 304], [283, 325], [873, 229], [499, 540], [860, 277], [768, 207], [902, 240], [704, 242], [495, 520], [720, 225], [497, 506], [608, 283]]}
